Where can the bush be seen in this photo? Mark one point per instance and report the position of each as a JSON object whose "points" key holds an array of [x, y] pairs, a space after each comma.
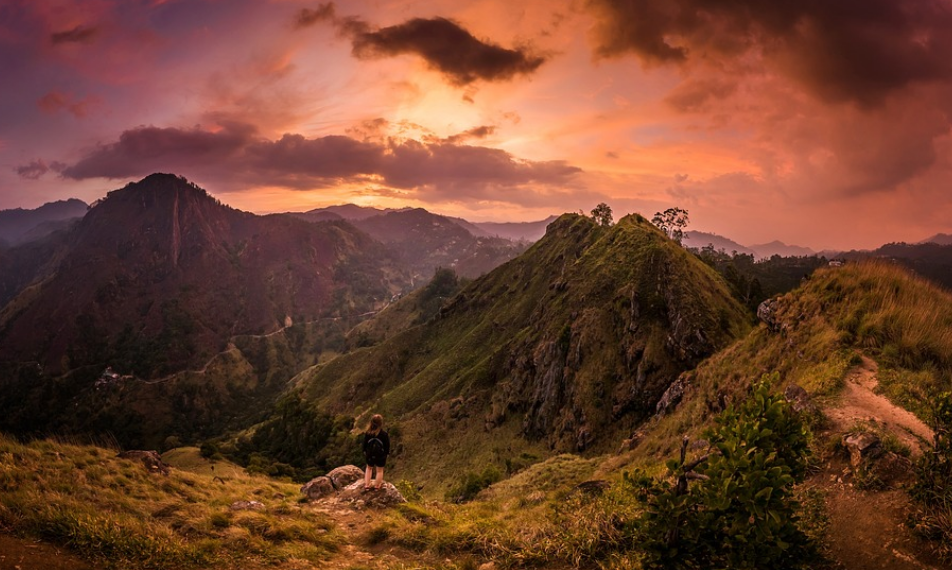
{"points": [[932, 489], [472, 483], [741, 514], [209, 450]]}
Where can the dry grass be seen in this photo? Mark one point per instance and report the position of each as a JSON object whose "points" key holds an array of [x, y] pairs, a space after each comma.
{"points": [[533, 519], [114, 512]]}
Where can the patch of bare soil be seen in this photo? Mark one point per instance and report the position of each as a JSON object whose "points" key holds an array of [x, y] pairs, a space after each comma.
{"points": [[356, 524], [867, 529], [22, 554], [860, 403]]}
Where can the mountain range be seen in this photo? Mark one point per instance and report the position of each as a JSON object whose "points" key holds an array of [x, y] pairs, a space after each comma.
{"points": [[424, 241], [698, 240], [18, 226]]}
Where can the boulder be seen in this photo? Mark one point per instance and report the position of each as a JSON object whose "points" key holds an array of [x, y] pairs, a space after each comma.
{"points": [[767, 312], [345, 475], [151, 459], [672, 396], [335, 480], [799, 399], [862, 447], [318, 488], [355, 494], [247, 506]]}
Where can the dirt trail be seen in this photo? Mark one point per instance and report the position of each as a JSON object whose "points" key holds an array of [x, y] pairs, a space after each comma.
{"points": [[356, 525], [867, 529], [861, 404]]}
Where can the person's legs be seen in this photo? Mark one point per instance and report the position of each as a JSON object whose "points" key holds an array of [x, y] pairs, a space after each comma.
{"points": [[367, 473], [379, 479]]}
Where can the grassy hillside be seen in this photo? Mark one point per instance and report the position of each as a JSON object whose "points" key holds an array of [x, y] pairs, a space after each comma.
{"points": [[536, 515], [822, 329], [116, 513], [557, 350]]}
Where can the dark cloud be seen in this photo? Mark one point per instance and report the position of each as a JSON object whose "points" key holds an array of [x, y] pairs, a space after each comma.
{"points": [[149, 149], [236, 157], [447, 48], [33, 169], [847, 50], [445, 45], [306, 17], [480, 132], [79, 34]]}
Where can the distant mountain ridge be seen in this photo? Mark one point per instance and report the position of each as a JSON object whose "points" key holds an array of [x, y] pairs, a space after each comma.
{"points": [[940, 239], [426, 241], [699, 240], [19, 225], [776, 247], [517, 231], [527, 231]]}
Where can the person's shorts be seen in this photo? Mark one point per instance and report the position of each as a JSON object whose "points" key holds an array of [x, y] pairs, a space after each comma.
{"points": [[376, 462]]}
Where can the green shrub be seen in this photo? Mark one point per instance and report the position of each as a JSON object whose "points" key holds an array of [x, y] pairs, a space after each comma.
{"points": [[472, 483], [741, 513], [932, 489]]}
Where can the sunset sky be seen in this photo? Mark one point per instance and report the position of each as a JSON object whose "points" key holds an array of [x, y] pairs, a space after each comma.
{"points": [[820, 123]]}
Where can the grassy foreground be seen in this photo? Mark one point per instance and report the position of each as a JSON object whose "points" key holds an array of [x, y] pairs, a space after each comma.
{"points": [[114, 512]]}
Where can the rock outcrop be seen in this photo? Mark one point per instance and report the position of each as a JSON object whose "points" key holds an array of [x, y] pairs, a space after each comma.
{"points": [[867, 456], [247, 506], [336, 480], [799, 399], [862, 447], [150, 459], [672, 396], [359, 496], [767, 312]]}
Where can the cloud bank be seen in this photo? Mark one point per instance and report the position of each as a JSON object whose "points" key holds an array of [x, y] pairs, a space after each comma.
{"points": [[235, 154], [443, 44], [848, 50]]}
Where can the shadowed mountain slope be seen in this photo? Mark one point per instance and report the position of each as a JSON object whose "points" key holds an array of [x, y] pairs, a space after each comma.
{"points": [[160, 277], [160, 261]]}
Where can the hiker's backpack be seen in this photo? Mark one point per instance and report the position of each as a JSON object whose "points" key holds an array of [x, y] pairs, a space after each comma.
{"points": [[375, 448]]}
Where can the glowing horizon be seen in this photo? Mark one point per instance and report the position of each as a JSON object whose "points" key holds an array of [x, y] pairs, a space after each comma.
{"points": [[817, 127]]}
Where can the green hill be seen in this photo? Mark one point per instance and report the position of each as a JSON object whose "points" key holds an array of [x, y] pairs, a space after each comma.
{"points": [[814, 335], [558, 350]]}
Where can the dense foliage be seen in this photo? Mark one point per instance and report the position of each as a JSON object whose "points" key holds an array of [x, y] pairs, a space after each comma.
{"points": [[932, 489], [740, 513], [298, 441], [752, 281]]}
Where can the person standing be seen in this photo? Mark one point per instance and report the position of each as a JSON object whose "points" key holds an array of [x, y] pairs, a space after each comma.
{"points": [[376, 450]]}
